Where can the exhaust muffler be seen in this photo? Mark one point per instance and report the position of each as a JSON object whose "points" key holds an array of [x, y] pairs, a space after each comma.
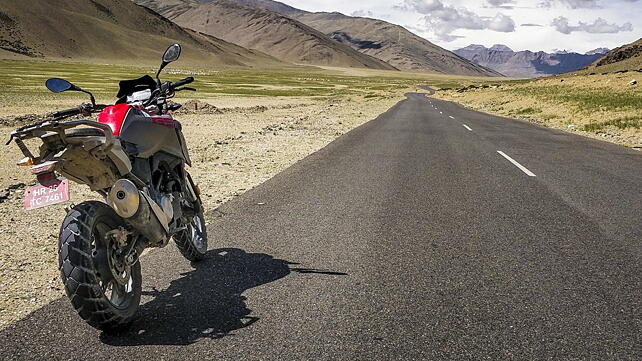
{"points": [[139, 211]]}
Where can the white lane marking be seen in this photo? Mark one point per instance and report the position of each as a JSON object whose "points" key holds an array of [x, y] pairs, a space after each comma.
{"points": [[467, 127], [451, 117], [515, 163]]}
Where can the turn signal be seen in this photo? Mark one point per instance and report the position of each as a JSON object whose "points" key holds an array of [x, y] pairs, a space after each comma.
{"points": [[25, 162]]}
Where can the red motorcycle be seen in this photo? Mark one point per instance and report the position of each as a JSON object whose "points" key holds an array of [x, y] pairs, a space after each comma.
{"points": [[135, 157]]}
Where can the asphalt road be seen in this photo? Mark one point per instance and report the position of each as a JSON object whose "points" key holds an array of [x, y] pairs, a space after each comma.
{"points": [[409, 238]]}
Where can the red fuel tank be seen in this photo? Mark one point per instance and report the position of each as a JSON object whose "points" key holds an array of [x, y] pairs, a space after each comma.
{"points": [[114, 116]]}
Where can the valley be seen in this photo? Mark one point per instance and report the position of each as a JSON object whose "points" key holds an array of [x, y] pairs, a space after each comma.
{"points": [[368, 191]]}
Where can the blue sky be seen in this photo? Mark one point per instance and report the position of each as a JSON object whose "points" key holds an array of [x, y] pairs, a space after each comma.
{"points": [[574, 25]]}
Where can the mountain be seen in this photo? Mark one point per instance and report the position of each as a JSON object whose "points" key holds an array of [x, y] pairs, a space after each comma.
{"points": [[387, 42], [528, 64], [601, 51], [500, 47], [273, 33], [108, 30], [627, 57], [383, 40], [275, 6], [392, 44]]}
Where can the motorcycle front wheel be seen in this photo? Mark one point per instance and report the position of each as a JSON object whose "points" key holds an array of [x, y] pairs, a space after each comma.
{"points": [[104, 291], [192, 242]]}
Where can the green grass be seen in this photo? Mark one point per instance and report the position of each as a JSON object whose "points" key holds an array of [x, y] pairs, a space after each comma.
{"points": [[585, 99], [621, 123], [528, 111], [22, 80]]}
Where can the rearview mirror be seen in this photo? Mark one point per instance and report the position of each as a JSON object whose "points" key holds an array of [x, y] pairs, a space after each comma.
{"points": [[58, 85], [172, 53]]}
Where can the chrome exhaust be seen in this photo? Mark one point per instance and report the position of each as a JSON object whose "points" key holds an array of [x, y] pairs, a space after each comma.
{"points": [[140, 211]]}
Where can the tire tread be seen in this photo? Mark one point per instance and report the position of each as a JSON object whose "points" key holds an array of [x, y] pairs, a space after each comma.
{"points": [[78, 274]]}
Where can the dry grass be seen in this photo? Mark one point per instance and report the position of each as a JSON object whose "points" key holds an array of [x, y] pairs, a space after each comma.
{"points": [[601, 106]]}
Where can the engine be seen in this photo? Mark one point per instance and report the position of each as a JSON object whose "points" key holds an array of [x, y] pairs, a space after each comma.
{"points": [[157, 210]]}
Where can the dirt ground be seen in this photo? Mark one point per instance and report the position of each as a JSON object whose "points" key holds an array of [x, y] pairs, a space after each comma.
{"points": [[234, 147]]}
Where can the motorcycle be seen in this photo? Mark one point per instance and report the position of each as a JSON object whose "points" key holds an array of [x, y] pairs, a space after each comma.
{"points": [[135, 157]]}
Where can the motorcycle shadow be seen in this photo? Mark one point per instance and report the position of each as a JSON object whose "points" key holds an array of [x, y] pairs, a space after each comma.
{"points": [[205, 303]]}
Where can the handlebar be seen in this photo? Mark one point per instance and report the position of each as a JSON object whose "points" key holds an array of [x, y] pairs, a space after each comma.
{"points": [[82, 109], [182, 82], [67, 113]]}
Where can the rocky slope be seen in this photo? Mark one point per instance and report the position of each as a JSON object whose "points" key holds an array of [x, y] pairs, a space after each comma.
{"points": [[627, 57], [276, 6], [528, 64], [392, 43], [108, 30], [264, 30]]}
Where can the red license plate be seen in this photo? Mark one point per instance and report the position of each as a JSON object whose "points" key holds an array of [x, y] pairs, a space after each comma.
{"points": [[40, 196]]}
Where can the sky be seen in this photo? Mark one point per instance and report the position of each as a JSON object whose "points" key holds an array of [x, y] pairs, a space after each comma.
{"points": [[548, 25]]}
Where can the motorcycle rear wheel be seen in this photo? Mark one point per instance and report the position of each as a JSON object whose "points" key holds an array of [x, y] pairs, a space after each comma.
{"points": [[106, 300]]}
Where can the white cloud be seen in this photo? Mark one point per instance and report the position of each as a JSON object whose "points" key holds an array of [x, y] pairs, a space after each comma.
{"points": [[505, 4], [501, 23], [523, 12], [362, 13], [579, 4], [422, 6], [599, 26], [443, 20]]}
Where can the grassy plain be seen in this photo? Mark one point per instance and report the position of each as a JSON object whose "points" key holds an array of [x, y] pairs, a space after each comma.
{"points": [[22, 82], [605, 106]]}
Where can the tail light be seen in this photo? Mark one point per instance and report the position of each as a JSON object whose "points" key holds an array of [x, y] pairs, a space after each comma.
{"points": [[26, 162], [47, 178]]}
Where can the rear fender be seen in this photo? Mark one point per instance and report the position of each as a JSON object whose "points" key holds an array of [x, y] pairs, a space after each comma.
{"points": [[116, 154], [85, 155], [85, 160], [82, 167]]}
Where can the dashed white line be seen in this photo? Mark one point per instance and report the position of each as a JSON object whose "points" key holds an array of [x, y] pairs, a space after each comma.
{"points": [[467, 127], [515, 163]]}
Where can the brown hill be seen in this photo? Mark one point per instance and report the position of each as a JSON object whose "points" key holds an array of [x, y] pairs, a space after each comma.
{"points": [[392, 44], [108, 30], [264, 30], [277, 7], [380, 39], [627, 57]]}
